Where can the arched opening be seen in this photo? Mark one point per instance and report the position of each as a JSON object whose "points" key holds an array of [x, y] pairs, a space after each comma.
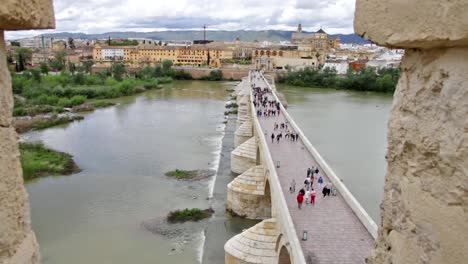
{"points": [[284, 257]]}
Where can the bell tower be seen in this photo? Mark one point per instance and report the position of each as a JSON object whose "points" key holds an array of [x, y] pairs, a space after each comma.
{"points": [[299, 28]]}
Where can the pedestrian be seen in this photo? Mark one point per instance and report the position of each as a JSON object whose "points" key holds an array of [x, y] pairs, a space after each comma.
{"points": [[300, 199], [320, 181], [308, 172], [306, 183], [325, 191], [307, 196], [272, 137], [329, 186], [292, 187], [313, 194]]}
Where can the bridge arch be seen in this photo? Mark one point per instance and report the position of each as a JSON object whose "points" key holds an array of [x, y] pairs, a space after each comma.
{"points": [[284, 257]]}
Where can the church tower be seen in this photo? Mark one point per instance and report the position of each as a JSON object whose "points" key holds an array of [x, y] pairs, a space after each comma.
{"points": [[299, 28]]}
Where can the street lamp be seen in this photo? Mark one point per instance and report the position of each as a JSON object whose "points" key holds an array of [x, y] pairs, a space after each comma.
{"points": [[304, 235]]}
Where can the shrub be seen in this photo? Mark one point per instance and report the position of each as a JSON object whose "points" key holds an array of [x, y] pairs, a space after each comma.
{"points": [[18, 83], [92, 80], [194, 214], [77, 100], [110, 81], [19, 111], [79, 78], [64, 102], [126, 87], [46, 100]]}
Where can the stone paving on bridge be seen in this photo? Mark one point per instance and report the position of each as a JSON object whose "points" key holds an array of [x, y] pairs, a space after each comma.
{"points": [[335, 234]]}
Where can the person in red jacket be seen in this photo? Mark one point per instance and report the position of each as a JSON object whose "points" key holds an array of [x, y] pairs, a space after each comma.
{"points": [[300, 199]]}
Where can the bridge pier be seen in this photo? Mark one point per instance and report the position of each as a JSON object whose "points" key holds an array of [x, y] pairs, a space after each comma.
{"points": [[249, 195], [243, 111], [244, 156], [255, 245], [243, 133]]}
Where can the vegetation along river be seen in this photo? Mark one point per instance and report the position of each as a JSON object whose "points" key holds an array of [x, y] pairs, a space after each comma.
{"points": [[112, 211]]}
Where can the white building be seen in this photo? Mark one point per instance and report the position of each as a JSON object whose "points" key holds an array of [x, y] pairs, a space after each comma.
{"points": [[112, 54], [35, 42], [341, 66]]}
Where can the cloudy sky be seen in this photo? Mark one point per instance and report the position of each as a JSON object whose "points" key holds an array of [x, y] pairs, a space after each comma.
{"points": [[99, 16]]}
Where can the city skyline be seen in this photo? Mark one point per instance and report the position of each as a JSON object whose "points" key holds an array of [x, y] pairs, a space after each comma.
{"points": [[336, 16]]}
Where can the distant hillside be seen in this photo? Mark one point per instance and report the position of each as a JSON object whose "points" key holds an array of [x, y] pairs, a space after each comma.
{"points": [[220, 35]]}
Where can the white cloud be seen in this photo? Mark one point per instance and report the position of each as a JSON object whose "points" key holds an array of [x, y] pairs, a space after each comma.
{"points": [[99, 16]]}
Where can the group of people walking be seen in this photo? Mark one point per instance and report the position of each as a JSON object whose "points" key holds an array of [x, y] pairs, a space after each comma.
{"points": [[266, 107], [307, 194]]}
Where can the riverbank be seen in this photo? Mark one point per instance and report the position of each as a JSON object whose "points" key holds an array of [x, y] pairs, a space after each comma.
{"points": [[38, 161], [367, 79]]}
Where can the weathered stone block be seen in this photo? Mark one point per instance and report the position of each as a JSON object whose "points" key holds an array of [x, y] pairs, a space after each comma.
{"points": [[6, 99], [14, 213], [26, 14], [425, 201], [413, 24]]}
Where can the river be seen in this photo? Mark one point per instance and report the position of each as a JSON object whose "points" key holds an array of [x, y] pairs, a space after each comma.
{"points": [[96, 216], [112, 211]]}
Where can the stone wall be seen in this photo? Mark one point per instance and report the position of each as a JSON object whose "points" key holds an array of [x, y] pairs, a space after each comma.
{"points": [[15, 225], [17, 241], [424, 211]]}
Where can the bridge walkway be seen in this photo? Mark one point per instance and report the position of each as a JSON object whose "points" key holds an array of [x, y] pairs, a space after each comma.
{"points": [[335, 233]]}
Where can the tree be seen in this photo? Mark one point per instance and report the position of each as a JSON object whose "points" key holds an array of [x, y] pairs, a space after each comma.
{"points": [[158, 71], [118, 70], [71, 67], [22, 55], [87, 65], [71, 43], [36, 75], [166, 65], [58, 63], [44, 68]]}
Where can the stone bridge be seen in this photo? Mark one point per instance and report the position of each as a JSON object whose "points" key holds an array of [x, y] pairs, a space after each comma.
{"points": [[338, 228]]}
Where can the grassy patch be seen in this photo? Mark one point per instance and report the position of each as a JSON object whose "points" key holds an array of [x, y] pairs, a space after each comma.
{"points": [[55, 122], [231, 112], [182, 174], [37, 161], [102, 104], [194, 214]]}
